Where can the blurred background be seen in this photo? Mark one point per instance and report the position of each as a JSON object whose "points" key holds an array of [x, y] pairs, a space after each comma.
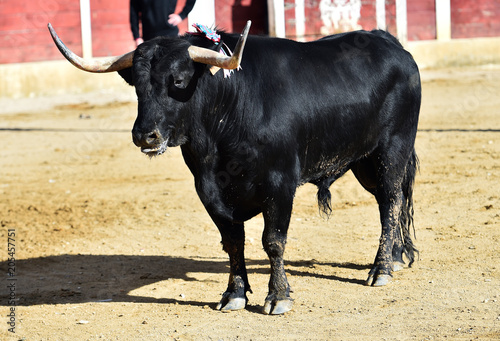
{"points": [[439, 33]]}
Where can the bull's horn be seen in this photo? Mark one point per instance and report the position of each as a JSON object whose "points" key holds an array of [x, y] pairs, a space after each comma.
{"points": [[109, 64], [210, 57]]}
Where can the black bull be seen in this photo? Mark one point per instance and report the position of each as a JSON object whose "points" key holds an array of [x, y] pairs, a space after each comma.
{"points": [[294, 113]]}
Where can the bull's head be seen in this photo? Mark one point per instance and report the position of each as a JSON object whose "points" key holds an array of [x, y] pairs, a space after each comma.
{"points": [[164, 73]]}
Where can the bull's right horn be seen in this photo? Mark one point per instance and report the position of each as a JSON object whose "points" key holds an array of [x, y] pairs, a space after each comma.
{"points": [[109, 64], [210, 57]]}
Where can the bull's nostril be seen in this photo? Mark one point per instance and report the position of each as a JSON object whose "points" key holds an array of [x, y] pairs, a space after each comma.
{"points": [[146, 139], [152, 137]]}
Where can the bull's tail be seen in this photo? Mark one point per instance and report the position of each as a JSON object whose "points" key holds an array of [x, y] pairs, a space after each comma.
{"points": [[324, 198], [406, 219]]}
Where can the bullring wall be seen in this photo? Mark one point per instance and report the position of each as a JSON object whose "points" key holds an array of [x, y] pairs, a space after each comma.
{"points": [[60, 77]]}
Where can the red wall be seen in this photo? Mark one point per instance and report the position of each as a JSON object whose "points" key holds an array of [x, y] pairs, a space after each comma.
{"points": [[421, 20], [314, 22], [232, 15], [469, 19], [479, 18], [24, 36], [110, 24], [23, 29]]}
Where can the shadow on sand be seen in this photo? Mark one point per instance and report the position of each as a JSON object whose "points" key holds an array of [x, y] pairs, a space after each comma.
{"points": [[99, 278]]}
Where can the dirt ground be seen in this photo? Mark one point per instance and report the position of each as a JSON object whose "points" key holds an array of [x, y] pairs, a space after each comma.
{"points": [[112, 245]]}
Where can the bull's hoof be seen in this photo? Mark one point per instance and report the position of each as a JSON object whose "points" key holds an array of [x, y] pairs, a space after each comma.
{"points": [[227, 303], [397, 266], [378, 281], [275, 307]]}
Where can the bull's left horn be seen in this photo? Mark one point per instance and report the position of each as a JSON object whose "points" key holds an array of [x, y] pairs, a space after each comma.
{"points": [[210, 57], [109, 64]]}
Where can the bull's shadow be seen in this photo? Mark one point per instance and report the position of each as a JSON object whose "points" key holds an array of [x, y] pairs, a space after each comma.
{"points": [[100, 278]]}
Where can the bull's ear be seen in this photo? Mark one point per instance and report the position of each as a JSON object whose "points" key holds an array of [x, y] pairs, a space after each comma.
{"points": [[127, 75]]}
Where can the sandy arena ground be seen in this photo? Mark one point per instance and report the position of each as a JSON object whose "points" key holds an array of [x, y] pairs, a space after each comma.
{"points": [[110, 245]]}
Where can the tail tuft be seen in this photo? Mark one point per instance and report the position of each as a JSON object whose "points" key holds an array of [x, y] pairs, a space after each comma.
{"points": [[324, 199], [407, 211]]}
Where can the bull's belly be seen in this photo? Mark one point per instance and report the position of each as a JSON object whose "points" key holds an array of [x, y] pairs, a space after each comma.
{"points": [[333, 168]]}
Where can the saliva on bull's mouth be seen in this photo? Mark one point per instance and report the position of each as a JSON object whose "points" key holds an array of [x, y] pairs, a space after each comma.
{"points": [[156, 150]]}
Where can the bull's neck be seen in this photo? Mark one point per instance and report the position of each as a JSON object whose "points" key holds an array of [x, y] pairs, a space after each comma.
{"points": [[220, 112]]}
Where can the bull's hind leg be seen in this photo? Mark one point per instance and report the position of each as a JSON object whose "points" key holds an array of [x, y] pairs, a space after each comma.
{"points": [[277, 213], [383, 175], [233, 242], [365, 172], [389, 198]]}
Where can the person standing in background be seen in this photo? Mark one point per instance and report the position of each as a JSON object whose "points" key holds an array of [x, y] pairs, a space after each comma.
{"points": [[158, 18]]}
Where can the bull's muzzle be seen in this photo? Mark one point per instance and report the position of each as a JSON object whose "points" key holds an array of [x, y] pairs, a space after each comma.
{"points": [[151, 143]]}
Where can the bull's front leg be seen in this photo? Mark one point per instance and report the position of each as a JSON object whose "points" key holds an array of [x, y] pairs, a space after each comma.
{"points": [[233, 242], [232, 234], [276, 219]]}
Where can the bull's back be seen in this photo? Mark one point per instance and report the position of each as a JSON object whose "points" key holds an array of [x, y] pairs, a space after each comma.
{"points": [[330, 76]]}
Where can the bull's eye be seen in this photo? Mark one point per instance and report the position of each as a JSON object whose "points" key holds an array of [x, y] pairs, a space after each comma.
{"points": [[177, 82]]}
